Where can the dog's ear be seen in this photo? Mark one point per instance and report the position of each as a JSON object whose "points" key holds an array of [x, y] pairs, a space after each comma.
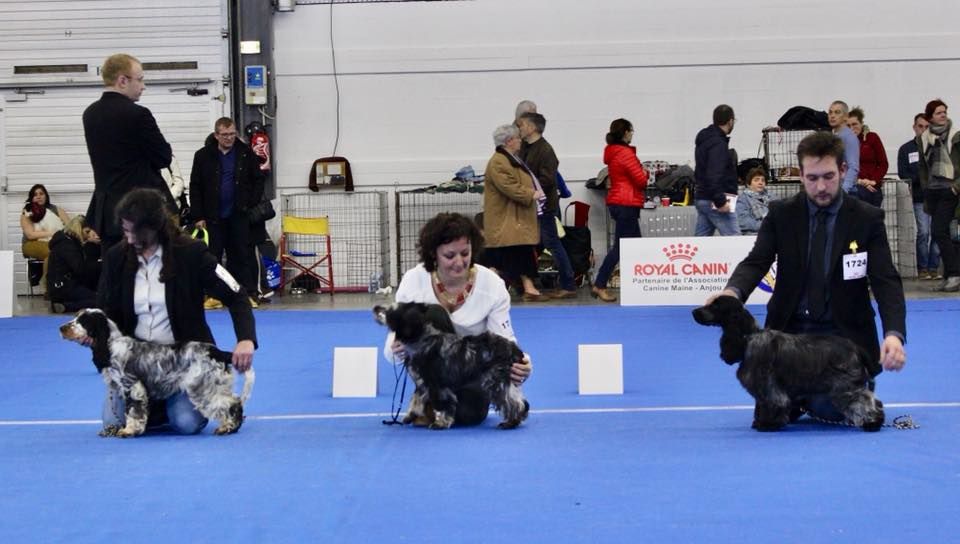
{"points": [[97, 328], [437, 315]]}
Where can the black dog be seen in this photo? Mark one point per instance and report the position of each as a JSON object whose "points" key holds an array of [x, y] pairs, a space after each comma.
{"points": [[781, 371], [141, 371], [440, 363]]}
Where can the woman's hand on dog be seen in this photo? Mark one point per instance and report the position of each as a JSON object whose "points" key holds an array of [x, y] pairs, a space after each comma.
{"points": [[892, 354], [724, 293], [521, 370], [243, 355], [399, 350]]}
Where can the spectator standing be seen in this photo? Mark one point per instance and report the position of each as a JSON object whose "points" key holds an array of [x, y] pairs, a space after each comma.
{"points": [[715, 175], [873, 159], [539, 156], [512, 202], [625, 199], [225, 182], [125, 145], [837, 119], [908, 168], [940, 177]]}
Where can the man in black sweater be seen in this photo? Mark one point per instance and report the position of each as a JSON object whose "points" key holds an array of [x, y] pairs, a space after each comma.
{"points": [[539, 156]]}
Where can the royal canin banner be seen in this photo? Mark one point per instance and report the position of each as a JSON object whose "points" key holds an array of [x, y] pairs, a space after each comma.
{"points": [[683, 271]]}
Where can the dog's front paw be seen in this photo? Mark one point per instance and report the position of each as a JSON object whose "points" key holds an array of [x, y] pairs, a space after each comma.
{"points": [[109, 431], [126, 432], [441, 421], [767, 426]]}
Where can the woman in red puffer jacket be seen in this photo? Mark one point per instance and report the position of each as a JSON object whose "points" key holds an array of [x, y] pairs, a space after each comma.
{"points": [[628, 181]]}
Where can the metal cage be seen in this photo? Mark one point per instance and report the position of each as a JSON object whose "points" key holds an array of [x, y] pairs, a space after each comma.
{"points": [[780, 153], [414, 208], [358, 227]]}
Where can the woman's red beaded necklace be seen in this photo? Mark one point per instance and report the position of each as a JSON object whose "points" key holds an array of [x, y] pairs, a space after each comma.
{"points": [[448, 300]]}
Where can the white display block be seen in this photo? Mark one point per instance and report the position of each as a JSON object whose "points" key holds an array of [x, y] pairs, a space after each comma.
{"points": [[600, 369], [6, 284], [684, 271], [354, 372]]}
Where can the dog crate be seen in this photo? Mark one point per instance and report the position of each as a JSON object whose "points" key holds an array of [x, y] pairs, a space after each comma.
{"points": [[414, 208], [780, 153]]}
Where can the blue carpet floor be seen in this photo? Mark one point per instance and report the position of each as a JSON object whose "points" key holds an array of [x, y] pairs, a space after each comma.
{"points": [[671, 460]]}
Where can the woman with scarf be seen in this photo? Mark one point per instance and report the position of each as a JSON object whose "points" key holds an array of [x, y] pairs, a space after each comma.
{"points": [[39, 221], [512, 202], [754, 202], [940, 178], [628, 182]]}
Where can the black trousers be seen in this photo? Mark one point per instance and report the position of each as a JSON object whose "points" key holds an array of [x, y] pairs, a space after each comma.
{"points": [[941, 204], [231, 236]]}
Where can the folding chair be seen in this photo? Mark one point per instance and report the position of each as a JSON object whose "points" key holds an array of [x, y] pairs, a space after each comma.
{"points": [[305, 251]]}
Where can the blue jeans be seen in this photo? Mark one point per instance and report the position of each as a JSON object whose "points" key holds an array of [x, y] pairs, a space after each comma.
{"points": [[551, 240], [928, 254], [182, 416], [626, 225], [709, 219]]}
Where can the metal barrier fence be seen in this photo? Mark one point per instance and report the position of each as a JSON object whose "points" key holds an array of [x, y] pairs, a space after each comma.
{"points": [[358, 233], [898, 217], [414, 208]]}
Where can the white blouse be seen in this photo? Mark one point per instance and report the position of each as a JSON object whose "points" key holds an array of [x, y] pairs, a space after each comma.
{"points": [[51, 222], [487, 309]]}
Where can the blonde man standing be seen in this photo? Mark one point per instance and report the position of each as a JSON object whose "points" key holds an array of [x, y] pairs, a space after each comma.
{"points": [[125, 145]]}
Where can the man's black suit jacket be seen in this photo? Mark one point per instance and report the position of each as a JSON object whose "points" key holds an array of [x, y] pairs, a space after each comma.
{"points": [[127, 151], [784, 236]]}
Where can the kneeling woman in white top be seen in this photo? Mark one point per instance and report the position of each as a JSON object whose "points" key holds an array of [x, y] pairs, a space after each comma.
{"points": [[475, 297]]}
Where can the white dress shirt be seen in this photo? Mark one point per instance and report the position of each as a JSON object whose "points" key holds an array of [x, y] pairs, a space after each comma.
{"points": [[150, 301]]}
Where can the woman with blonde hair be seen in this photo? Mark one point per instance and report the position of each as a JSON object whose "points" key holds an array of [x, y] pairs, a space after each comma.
{"points": [[74, 268]]}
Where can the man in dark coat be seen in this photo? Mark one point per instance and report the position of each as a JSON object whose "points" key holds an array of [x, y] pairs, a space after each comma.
{"points": [[715, 177], [855, 260], [125, 145], [225, 182]]}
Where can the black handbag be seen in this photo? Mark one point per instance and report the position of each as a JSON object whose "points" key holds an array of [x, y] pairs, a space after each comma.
{"points": [[262, 212]]}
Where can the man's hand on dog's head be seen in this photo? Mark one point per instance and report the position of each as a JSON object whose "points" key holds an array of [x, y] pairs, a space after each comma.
{"points": [[892, 354], [243, 355], [724, 293]]}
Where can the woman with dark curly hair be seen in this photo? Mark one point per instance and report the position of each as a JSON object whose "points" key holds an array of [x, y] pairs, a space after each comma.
{"points": [[39, 221], [474, 295]]}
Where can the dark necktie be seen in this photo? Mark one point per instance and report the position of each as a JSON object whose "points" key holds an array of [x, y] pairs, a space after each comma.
{"points": [[816, 283]]}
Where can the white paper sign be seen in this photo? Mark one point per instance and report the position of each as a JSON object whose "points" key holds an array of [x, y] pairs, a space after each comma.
{"points": [[684, 271]]}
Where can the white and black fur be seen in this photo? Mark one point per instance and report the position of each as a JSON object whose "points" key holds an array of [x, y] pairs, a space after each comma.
{"points": [[141, 371], [441, 362], [782, 370]]}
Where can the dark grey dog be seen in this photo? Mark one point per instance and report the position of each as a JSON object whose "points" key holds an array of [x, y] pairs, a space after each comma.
{"points": [[781, 371], [141, 371], [440, 363]]}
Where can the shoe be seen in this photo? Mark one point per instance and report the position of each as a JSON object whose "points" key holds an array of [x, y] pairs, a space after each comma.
{"points": [[531, 297], [602, 294], [58, 308], [949, 285], [253, 302], [563, 293], [936, 275], [211, 303], [923, 274]]}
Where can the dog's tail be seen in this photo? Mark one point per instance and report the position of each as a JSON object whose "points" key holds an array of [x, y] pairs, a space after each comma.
{"points": [[249, 377]]}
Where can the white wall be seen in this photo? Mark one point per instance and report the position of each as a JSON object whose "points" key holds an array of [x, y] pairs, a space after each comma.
{"points": [[423, 85]]}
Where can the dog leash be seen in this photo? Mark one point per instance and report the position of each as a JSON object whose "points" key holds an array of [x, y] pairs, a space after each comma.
{"points": [[396, 407], [901, 423]]}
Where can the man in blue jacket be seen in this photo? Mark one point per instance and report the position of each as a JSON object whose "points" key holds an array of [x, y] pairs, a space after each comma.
{"points": [[715, 177]]}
